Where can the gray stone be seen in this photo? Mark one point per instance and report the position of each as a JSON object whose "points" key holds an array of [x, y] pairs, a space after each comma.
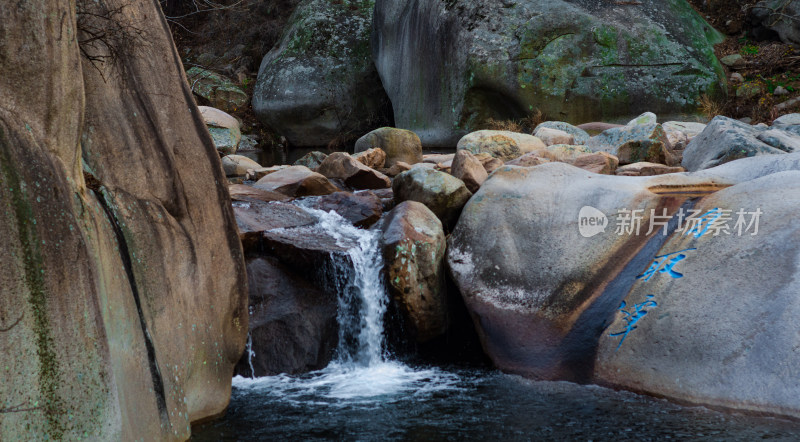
{"points": [[733, 60], [553, 136], [444, 194], [224, 129], [312, 160], [645, 118], [319, 82], [779, 16], [449, 66], [631, 144], [723, 140], [340, 165], [579, 136], [787, 120]]}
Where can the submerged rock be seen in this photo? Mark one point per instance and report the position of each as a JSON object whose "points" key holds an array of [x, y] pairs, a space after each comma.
{"points": [[413, 248]]}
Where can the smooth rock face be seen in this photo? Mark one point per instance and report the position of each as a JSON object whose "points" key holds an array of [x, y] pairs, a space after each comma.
{"points": [[553, 136], [399, 145], [566, 153], [724, 140], [362, 209], [502, 145], [444, 194], [238, 165], [563, 294], [787, 120], [293, 326], [217, 89], [117, 235], [224, 129], [579, 136], [645, 118], [582, 60], [340, 165], [312, 160], [296, 181], [413, 249], [320, 82], [631, 144], [647, 169], [241, 192], [721, 334], [468, 169], [253, 218]]}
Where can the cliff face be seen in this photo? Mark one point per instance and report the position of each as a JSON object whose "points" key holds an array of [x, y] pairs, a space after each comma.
{"points": [[123, 293]]}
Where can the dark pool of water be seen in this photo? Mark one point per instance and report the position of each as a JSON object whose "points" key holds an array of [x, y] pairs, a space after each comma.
{"points": [[429, 404]]}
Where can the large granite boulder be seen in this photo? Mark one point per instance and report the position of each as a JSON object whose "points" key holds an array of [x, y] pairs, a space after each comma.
{"points": [[778, 17], [726, 139], [319, 83], [293, 326], [398, 144], [448, 66], [413, 249], [443, 193], [671, 305], [117, 233]]}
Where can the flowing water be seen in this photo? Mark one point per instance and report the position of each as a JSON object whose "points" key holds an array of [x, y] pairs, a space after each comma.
{"points": [[366, 395]]}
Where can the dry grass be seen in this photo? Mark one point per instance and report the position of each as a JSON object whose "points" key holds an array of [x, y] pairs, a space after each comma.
{"points": [[710, 107], [522, 125]]}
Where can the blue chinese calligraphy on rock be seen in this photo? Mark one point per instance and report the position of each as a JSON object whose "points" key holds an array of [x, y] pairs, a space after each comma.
{"points": [[665, 264], [632, 317]]}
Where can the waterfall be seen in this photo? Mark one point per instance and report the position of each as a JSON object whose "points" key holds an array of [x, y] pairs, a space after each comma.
{"points": [[360, 290]]}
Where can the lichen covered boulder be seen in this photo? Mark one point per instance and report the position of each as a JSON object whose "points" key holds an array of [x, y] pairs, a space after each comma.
{"points": [[319, 82], [448, 66], [503, 145], [444, 194], [398, 144]]}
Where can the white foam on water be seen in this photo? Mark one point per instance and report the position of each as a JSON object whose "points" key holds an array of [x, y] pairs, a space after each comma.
{"points": [[362, 373]]}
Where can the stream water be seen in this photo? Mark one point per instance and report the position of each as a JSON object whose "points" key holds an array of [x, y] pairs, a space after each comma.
{"points": [[367, 395]]}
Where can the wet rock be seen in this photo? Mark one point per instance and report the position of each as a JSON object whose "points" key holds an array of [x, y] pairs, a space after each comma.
{"points": [[293, 327], [413, 248], [374, 158], [599, 162], [312, 160], [647, 169], [631, 144], [551, 136], [224, 129], [444, 194], [305, 249], [238, 165], [399, 145], [253, 218], [724, 140], [503, 145], [340, 165], [387, 198], [241, 192], [362, 209], [219, 90], [468, 169], [296, 181]]}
